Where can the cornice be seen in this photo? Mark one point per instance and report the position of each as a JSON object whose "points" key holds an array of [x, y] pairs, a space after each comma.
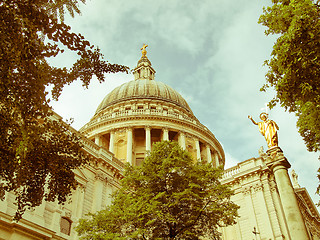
{"points": [[197, 127], [237, 174]]}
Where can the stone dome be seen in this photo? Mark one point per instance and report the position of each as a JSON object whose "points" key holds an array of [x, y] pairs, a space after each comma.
{"points": [[143, 89], [141, 112]]}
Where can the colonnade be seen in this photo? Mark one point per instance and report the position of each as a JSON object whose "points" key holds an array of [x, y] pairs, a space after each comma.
{"points": [[211, 155]]}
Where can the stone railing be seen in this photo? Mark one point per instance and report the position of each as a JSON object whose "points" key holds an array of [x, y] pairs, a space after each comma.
{"points": [[101, 152], [230, 172], [136, 112], [151, 112], [91, 147], [94, 149]]}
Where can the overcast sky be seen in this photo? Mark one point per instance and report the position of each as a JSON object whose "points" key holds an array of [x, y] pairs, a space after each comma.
{"points": [[211, 52]]}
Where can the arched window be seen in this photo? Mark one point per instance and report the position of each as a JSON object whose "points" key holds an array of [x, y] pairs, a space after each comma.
{"points": [[65, 225]]}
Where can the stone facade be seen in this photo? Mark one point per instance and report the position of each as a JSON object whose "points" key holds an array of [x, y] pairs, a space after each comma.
{"points": [[262, 209], [126, 124]]}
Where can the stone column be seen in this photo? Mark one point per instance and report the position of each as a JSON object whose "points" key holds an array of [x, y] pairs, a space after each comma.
{"points": [[216, 158], [129, 145], [97, 140], [182, 140], [259, 192], [55, 223], [39, 213], [148, 138], [280, 219], [198, 149], [165, 134], [111, 143], [209, 159], [252, 218], [98, 190], [279, 166], [108, 192], [4, 204], [80, 200]]}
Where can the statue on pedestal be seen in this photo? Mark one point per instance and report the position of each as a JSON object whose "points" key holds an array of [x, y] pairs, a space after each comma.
{"points": [[294, 176], [268, 129]]}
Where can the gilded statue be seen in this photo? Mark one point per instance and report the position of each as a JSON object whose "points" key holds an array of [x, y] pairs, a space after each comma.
{"points": [[268, 129], [143, 50]]}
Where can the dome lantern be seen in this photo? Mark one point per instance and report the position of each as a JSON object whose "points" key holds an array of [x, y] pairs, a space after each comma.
{"points": [[144, 69]]}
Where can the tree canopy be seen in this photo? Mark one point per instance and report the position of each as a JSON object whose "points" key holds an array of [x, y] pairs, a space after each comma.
{"points": [[294, 67], [170, 196], [37, 155]]}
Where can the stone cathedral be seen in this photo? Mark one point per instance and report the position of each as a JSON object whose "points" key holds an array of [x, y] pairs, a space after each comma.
{"points": [[125, 125]]}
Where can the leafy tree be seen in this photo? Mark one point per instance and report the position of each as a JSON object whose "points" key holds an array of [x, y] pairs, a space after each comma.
{"points": [[167, 197], [294, 67], [37, 155]]}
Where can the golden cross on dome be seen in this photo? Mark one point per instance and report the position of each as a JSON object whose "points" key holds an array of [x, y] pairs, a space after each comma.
{"points": [[143, 50]]}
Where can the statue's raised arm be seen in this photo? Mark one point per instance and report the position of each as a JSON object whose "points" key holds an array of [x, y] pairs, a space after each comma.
{"points": [[252, 120], [268, 128]]}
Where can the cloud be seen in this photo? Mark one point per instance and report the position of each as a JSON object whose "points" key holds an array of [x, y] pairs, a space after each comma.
{"points": [[210, 51], [80, 104]]}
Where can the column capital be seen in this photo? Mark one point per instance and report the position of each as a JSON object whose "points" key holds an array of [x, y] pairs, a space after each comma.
{"points": [[147, 127], [129, 128], [165, 134], [274, 154], [247, 191], [279, 164], [276, 159], [100, 176], [182, 133]]}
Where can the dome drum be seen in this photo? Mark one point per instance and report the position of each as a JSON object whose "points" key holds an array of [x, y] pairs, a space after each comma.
{"points": [[131, 143]]}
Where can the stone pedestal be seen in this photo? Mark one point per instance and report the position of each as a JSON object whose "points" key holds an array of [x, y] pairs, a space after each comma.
{"points": [[279, 165]]}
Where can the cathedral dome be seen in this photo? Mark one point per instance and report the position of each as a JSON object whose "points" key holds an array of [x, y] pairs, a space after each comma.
{"points": [[141, 112], [143, 89]]}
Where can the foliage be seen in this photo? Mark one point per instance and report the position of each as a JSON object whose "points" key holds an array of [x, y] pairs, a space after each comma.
{"points": [[294, 66], [168, 197], [35, 152]]}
